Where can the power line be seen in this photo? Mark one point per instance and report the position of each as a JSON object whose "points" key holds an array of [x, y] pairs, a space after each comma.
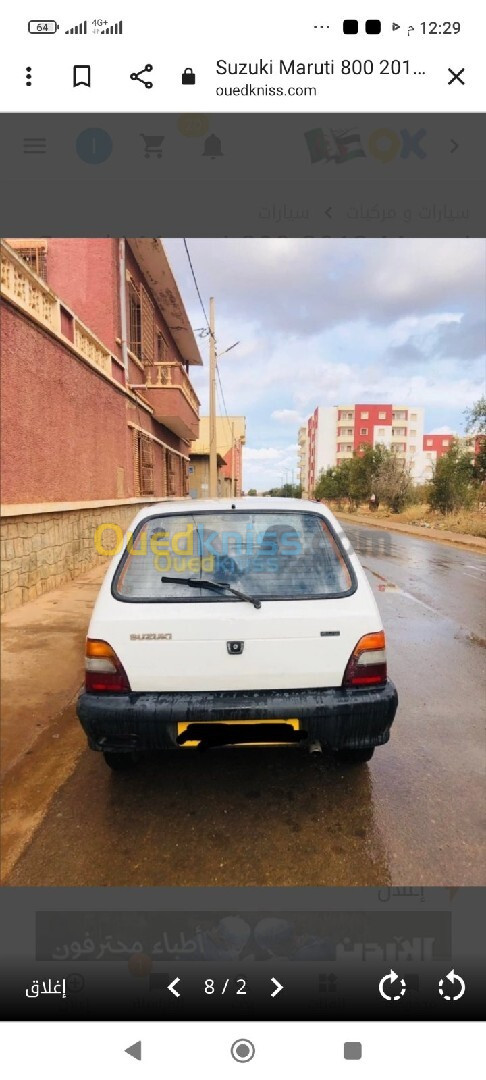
{"points": [[197, 288], [221, 388]]}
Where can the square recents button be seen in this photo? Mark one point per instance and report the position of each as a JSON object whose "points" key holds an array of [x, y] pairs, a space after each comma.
{"points": [[350, 26], [353, 1051]]}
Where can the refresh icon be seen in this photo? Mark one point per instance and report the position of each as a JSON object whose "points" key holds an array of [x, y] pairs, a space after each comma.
{"points": [[392, 978]]}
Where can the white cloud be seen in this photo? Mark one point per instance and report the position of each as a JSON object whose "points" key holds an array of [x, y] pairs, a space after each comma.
{"points": [[270, 466], [323, 321], [442, 431], [287, 416]]}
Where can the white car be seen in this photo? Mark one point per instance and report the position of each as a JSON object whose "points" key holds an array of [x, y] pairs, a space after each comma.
{"points": [[236, 621]]}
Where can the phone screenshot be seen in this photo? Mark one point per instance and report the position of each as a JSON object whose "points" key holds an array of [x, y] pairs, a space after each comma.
{"points": [[243, 540]]}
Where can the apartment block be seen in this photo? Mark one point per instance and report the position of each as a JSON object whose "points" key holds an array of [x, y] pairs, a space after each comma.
{"points": [[302, 460], [435, 446], [336, 432]]}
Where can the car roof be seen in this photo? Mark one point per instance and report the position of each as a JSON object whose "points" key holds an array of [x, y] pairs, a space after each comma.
{"points": [[260, 502]]}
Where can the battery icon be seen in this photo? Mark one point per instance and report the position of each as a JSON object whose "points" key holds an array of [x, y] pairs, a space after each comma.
{"points": [[43, 26]]}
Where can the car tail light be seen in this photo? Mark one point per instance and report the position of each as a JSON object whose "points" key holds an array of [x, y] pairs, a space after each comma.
{"points": [[104, 672], [367, 663]]}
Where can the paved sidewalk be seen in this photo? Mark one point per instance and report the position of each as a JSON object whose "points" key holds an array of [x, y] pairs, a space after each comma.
{"points": [[42, 672], [43, 662], [475, 543]]}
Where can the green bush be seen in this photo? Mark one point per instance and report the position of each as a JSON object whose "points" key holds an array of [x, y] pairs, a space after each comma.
{"points": [[452, 486]]}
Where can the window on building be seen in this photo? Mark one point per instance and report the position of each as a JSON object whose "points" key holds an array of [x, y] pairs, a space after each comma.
{"points": [[413, 415], [445, 442], [34, 253], [381, 431], [413, 433], [364, 416], [413, 449], [382, 416], [172, 467], [430, 442], [363, 431], [134, 321], [145, 463], [162, 348]]}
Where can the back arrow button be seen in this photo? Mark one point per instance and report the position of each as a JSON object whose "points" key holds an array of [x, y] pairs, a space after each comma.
{"points": [[455, 146], [172, 987], [278, 988]]}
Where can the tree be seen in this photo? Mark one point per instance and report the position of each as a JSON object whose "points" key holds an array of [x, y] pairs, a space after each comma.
{"points": [[452, 482], [392, 481], [352, 479], [479, 466], [362, 472], [288, 491], [332, 484], [476, 417], [252, 491]]}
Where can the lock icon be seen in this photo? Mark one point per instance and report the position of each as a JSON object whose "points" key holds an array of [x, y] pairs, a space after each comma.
{"points": [[188, 77]]}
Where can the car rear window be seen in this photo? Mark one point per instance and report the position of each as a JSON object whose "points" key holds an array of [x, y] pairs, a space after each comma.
{"points": [[265, 554]]}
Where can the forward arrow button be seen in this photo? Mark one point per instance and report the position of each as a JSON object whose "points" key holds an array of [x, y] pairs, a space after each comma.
{"points": [[278, 987]]}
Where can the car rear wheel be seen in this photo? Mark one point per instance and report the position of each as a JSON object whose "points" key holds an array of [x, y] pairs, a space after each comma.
{"points": [[119, 762], [354, 757]]}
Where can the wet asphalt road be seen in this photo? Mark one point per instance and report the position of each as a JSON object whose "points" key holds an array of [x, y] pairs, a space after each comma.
{"points": [[413, 815]]}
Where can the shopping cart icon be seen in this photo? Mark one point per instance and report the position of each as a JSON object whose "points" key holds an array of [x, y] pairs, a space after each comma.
{"points": [[153, 144]]}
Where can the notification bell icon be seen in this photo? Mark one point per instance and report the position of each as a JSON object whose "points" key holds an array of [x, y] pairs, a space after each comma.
{"points": [[212, 147]]}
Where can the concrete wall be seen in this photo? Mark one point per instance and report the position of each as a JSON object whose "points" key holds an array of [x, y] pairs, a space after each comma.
{"points": [[39, 551], [326, 438]]}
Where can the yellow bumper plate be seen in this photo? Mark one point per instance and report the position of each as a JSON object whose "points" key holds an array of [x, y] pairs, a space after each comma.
{"points": [[295, 724]]}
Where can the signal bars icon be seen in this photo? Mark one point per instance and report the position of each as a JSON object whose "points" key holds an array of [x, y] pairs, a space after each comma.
{"points": [[81, 28], [117, 28]]}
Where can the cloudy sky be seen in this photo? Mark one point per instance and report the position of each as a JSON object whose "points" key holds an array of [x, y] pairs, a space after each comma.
{"points": [[322, 322]]}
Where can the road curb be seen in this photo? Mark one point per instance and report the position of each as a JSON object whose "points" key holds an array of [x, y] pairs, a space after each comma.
{"points": [[463, 540]]}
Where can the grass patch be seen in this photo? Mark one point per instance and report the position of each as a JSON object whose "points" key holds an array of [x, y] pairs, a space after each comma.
{"points": [[471, 522]]}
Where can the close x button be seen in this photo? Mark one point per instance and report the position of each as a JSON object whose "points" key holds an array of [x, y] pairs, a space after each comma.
{"points": [[456, 76]]}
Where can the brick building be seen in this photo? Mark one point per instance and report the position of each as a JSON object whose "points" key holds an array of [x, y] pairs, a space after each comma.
{"points": [[98, 409]]}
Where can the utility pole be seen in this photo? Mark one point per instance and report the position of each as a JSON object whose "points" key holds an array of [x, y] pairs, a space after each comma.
{"points": [[233, 492], [213, 449]]}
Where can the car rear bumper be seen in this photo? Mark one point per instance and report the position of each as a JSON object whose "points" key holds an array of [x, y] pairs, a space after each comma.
{"points": [[340, 719]]}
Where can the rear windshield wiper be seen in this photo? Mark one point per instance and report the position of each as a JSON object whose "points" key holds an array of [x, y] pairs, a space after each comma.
{"points": [[214, 586]]}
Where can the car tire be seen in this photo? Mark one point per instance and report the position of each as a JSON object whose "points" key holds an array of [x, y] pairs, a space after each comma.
{"points": [[355, 757], [119, 762]]}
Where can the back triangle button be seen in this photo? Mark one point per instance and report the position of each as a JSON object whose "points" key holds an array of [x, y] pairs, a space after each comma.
{"points": [[135, 1051]]}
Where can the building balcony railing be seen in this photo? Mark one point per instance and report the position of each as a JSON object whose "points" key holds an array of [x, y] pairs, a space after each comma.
{"points": [[29, 292], [170, 393]]}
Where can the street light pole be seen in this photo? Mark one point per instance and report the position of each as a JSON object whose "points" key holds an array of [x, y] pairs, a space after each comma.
{"points": [[213, 451]]}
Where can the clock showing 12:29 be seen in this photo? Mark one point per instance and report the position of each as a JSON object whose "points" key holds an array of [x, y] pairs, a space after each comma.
{"points": [[441, 28]]}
